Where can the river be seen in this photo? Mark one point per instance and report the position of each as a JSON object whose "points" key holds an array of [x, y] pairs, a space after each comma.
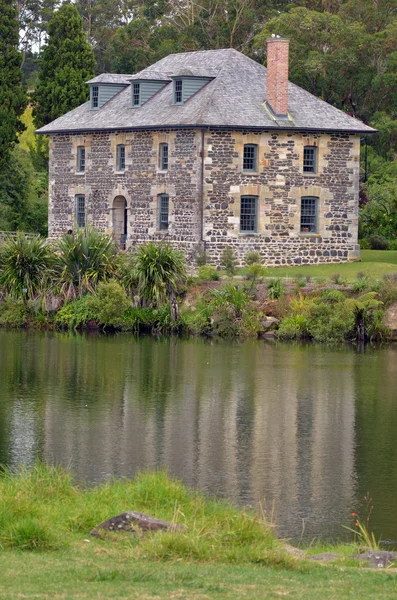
{"points": [[304, 431]]}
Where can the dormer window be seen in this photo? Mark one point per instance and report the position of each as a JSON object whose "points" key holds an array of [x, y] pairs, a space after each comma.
{"points": [[136, 94], [178, 91], [94, 97]]}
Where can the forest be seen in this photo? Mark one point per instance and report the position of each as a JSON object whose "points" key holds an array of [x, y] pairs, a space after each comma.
{"points": [[344, 52]]}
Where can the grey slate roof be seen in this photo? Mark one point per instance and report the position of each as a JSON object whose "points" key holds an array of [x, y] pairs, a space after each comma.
{"points": [[111, 78], [233, 99]]}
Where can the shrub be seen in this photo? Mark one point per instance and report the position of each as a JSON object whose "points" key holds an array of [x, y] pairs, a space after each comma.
{"points": [[13, 313], [201, 257], [377, 242], [362, 283], [252, 257], [300, 281], [229, 260], [208, 273], [25, 265], [275, 289], [387, 289], [159, 269], [338, 279], [293, 328], [111, 303], [77, 313], [256, 271], [84, 258]]}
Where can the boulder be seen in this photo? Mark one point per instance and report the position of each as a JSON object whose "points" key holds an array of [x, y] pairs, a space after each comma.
{"points": [[133, 520], [378, 559], [390, 319], [270, 323]]}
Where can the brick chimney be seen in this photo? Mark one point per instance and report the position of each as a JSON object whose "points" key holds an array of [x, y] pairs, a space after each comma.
{"points": [[277, 75]]}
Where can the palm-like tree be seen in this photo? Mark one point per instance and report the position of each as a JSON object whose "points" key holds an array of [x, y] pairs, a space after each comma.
{"points": [[159, 268], [84, 258], [26, 265]]}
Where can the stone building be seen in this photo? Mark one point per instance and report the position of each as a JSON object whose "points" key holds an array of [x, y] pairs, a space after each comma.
{"points": [[210, 149]]}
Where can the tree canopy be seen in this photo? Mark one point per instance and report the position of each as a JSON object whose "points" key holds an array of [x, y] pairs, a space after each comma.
{"points": [[67, 63], [13, 99]]}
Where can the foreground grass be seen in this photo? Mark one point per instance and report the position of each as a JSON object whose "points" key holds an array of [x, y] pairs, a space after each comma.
{"points": [[102, 571], [374, 263], [47, 552]]}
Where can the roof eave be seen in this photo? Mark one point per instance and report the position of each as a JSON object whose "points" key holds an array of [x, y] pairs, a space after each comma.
{"points": [[203, 126]]}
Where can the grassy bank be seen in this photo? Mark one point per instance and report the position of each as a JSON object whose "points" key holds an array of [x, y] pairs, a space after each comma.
{"points": [[46, 550], [83, 282], [374, 263]]}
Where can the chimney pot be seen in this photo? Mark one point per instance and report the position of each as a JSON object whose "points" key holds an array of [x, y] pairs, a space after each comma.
{"points": [[277, 74]]}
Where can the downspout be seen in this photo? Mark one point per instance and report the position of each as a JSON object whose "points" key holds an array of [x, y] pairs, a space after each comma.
{"points": [[201, 189]]}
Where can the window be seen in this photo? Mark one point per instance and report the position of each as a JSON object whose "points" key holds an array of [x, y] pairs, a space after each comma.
{"points": [[136, 94], [309, 159], [250, 157], [95, 96], [164, 157], [81, 159], [80, 210], [120, 158], [309, 215], [163, 211], [248, 213], [178, 91]]}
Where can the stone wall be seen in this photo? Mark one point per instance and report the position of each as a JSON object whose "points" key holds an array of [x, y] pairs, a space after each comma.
{"points": [[279, 184], [140, 184]]}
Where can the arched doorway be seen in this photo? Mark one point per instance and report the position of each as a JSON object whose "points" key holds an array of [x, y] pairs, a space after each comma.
{"points": [[120, 220]]}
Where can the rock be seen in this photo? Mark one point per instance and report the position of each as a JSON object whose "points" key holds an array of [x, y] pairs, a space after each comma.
{"points": [[390, 319], [293, 551], [132, 520], [378, 559], [323, 557], [270, 323]]}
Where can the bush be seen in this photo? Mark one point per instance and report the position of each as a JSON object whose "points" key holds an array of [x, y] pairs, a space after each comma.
{"points": [[159, 269], [252, 257], [275, 289], [25, 265], [377, 242], [229, 260], [387, 289], [338, 279], [111, 302], [77, 313], [13, 313], [256, 272], [293, 328], [84, 258], [208, 273], [201, 257]]}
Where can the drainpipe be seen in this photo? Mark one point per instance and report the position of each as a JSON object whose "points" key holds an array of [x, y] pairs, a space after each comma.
{"points": [[201, 189]]}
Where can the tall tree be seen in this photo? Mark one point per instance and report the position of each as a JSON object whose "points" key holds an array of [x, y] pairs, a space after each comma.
{"points": [[13, 99], [67, 62]]}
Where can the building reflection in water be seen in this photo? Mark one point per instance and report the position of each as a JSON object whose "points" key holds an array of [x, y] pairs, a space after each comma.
{"points": [[256, 423]]}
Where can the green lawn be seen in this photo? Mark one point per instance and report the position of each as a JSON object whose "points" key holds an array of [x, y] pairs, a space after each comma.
{"points": [[374, 263], [27, 137], [95, 570]]}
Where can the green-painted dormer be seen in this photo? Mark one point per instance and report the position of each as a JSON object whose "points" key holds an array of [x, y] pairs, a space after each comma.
{"points": [[104, 87], [142, 88], [186, 84]]}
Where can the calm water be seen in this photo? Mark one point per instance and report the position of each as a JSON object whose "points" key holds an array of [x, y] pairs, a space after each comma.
{"points": [[306, 431]]}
